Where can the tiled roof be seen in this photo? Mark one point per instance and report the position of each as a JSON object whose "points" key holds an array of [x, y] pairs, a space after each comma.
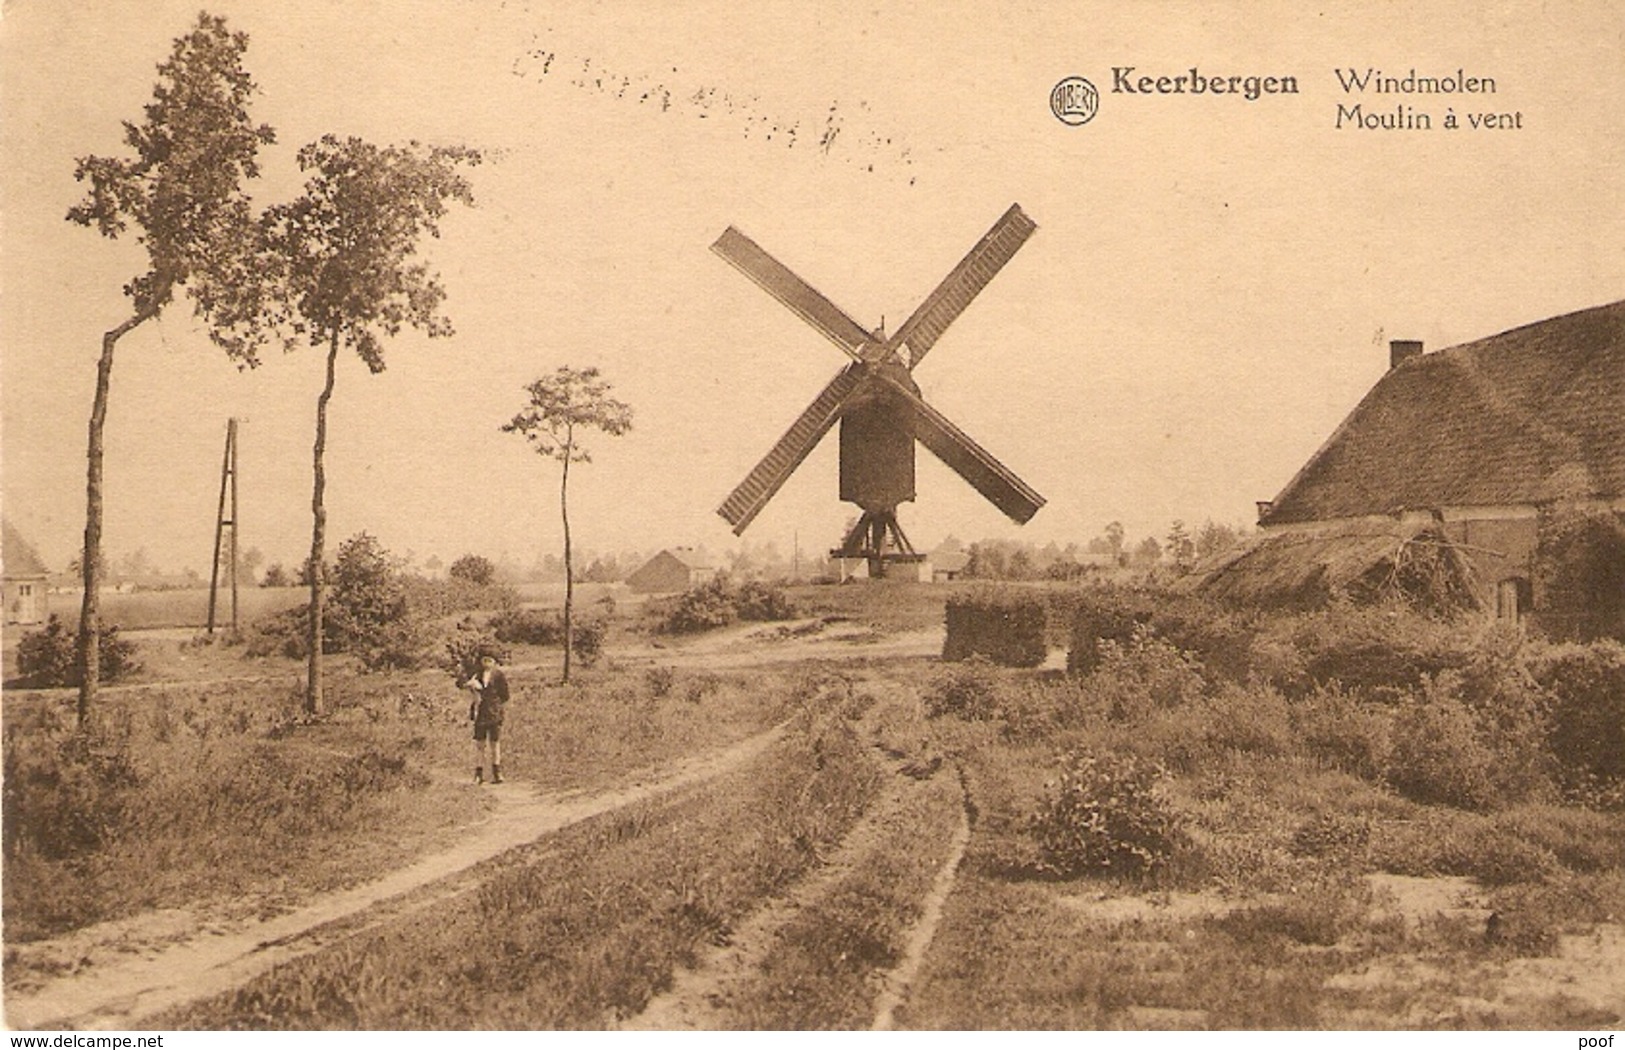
{"points": [[19, 556], [1528, 416]]}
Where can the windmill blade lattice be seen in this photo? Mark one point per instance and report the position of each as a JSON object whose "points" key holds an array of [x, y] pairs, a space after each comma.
{"points": [[882, 415], [806, 301], [751, 495], [922, 330], [998, 483]]}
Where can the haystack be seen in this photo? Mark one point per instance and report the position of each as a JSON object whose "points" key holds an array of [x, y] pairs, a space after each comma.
{"points": [[1365, 561]]}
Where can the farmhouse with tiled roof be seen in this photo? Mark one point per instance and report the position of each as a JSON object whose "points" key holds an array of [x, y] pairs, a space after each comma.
{"points": [[1494, 448]]}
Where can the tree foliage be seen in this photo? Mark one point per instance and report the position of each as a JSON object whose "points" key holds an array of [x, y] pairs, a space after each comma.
{"points": [[337, 267], [559, 405], [182, 191], [182, 188], [340, 261], [474, 569]]}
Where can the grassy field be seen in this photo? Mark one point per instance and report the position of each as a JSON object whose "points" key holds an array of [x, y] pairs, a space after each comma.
{"points": [[145, 610], [184, 793], [1345, 820]]}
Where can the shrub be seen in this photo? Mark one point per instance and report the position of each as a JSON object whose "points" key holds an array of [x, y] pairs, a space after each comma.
{"points": [[1321, 914], [371, 609], [587, 640], [969, 690], [1102, 614], [50, 656], [1143, 675], [756, 600], [1586, 686], [1438, 755], [468, 643], [1248, 718], [528, 626], [69, 801], [1384, 650], [365, 597], [400, 645], [702, 608], [1342, 730], [1005, 628], [474, 569], [1103, 814]]}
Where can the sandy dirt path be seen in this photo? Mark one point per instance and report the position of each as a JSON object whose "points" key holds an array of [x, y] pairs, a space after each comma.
{"points": [[126, 973], [704, 997]]}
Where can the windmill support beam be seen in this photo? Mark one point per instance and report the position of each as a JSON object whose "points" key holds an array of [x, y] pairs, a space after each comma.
{"points": [[878, 539]]}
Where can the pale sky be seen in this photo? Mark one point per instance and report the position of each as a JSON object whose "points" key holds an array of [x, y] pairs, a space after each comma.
{"points": [[1209, 292]]}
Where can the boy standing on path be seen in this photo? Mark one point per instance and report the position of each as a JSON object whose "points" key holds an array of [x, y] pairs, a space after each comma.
{"points": [[491, 688]]}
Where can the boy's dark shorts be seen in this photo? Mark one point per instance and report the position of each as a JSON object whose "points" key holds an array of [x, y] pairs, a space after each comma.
{"points": [[491, 731]]}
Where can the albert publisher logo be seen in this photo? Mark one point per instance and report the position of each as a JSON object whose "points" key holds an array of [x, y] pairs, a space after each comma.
{"points": [[1074, 101]]}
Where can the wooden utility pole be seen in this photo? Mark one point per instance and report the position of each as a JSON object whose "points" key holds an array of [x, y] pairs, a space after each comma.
{"points": [[224, 519]]}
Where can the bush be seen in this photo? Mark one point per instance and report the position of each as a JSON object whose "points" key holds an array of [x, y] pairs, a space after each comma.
{"points": [[1005, 628], [528, 626], [68, 802], [1102, 615], [473, 569], [968, 690], [703, 608], [1586, 686], [1343, 731], [1103, 814], [1248, 718], [1384, 651], [1438, 755], [50, 656], [756, 600], [1143, 675], [467, 645], [399, 645], [366, 595], [587, 640]]}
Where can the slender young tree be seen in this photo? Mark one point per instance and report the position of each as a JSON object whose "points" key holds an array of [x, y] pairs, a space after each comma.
{"points": [[340, 270], [182, 192], [560, 406]]}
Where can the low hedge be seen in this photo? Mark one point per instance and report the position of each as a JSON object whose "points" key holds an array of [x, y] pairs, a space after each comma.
{"points": [[1006, 628]]}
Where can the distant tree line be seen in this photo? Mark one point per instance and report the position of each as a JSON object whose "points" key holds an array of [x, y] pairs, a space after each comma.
{"points": [[1180, 549]]}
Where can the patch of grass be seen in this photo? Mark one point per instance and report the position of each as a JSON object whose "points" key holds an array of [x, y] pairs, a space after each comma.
{"points": [[202, 793], [588, 926], [821, 971]]}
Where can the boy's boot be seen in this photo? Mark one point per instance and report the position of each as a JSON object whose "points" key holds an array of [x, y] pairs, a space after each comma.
{"points": [[496, 774], [479, 774]]}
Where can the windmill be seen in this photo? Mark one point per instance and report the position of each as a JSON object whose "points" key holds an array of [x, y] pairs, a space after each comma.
{"points": [[881, 412]]}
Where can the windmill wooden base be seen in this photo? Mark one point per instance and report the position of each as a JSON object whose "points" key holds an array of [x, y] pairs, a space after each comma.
{"points": [[878, 539]]}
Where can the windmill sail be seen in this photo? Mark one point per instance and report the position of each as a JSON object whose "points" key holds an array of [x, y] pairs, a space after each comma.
{"points": [[968, 459], [807, 302], [922, 330], [752, 494]]}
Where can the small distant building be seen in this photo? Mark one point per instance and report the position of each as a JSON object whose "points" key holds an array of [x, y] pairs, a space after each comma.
{"points": [[25, 578], [947, 564], [673, 569]]}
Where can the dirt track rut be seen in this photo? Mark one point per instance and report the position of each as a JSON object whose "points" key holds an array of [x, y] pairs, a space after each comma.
{"points": [[120, 988]]}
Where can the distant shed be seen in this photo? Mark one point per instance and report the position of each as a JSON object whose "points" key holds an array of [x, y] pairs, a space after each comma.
{"points": [[673, 569], [24, 578]]}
